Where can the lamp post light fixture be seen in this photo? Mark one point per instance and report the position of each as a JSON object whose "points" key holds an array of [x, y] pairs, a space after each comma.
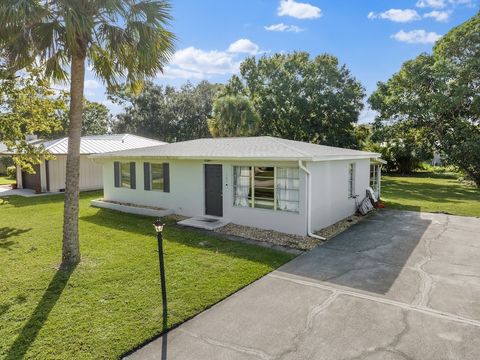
{"points": [[158, 225]]}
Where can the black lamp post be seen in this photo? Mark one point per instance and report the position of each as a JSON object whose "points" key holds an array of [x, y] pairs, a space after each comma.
{"points": [[159, 228]]}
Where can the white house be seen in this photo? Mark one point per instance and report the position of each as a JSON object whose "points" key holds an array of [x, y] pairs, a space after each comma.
{"points": [[265, 182], [50, 174]]}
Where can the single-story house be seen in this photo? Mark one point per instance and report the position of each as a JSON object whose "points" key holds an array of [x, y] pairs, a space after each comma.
{"points": [[50, 174], [265, 182]]}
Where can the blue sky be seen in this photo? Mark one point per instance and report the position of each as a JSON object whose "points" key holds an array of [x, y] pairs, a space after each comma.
{"points": [[373, 38]]}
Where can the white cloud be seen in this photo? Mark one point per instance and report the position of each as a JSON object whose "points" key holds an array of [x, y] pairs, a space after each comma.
{"points": [[194, 63], [437, 4], [367, 115], [298, 10], [211, 62], [176, 73], [462, 2], [243, 46], [440, 4], [416, 37], [438, 15], [91, 84], [283, 27], [396, 15]]}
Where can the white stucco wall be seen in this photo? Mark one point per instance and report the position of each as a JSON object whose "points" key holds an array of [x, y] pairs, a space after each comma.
{"points": [[90, 173], [330, 198], [187, 197]]}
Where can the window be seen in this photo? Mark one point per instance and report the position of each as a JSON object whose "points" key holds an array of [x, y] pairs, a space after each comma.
{"points": [[266, 187], [156, 178], [125, 174], [242, 186], [374, 176], [351, 180]]}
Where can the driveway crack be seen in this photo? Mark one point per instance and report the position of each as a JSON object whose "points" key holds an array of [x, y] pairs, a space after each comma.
{"points": [[317, 310], [426, 281], [391, 346], [238, 348]]}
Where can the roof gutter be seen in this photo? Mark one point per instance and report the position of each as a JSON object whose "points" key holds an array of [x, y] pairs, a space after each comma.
{"points": [[309, 202]]}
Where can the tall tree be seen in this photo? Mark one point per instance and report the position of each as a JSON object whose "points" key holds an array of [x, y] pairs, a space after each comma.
{"points": [[28, 106], [233, 116], [96, 120], [167, 113], [119, 38], [300, 98], [441, 93]]}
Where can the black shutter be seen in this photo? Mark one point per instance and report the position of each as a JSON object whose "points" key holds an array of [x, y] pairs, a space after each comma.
{"points": [[146, 175], [166, 177], [116, 173], [133, 177]]}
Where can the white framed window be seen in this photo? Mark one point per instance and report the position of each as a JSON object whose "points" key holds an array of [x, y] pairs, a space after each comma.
{"points": [[351, 180], [156, 177], [125, 176], [266, 187], [374, 176]]}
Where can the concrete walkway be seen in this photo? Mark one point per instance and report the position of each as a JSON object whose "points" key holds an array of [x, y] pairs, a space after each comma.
{"points": [[400, 285], [6, 190]]}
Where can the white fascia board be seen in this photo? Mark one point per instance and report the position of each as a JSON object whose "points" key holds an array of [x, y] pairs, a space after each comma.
{"points": [[349, 157], [202, 158]]}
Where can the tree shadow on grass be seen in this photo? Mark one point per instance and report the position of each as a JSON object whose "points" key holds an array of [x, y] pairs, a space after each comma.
{"points": [[39, 316], [22, 201], [6, 233]]}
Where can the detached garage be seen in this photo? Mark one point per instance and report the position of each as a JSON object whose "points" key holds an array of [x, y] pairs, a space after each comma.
{"points": [[50, 174]]}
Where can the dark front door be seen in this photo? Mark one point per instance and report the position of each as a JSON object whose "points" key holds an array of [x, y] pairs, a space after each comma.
{"points": [[31, 181], [213, 190]]}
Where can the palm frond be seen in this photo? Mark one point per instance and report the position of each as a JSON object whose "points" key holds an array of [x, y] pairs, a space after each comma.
{"points": [[126, 39]]}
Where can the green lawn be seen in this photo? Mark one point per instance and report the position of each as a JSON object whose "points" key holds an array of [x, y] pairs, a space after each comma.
{"points": [[111, 302], [5, 180], [431, 194]]}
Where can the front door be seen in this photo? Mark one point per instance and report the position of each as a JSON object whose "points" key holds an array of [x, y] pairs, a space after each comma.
{"points": [[213, 190], [31, 181]]}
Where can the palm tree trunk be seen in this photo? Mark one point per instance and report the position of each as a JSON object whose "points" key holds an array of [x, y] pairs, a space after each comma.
{"points": [[71, 245]]}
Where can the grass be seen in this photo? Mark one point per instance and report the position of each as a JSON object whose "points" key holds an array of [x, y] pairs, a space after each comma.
{"points": [[431, 193], [111, 302], [5, 180]]}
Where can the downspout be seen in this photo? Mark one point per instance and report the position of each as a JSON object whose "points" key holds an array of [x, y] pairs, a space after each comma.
{"points": [[309, 202]]}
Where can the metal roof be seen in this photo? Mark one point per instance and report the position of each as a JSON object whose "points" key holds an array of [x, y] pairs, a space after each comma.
{"points": [[97, 144], [260, 148]]}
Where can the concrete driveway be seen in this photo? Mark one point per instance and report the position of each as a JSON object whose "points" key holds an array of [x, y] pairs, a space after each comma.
{"points": [[399, 285]]}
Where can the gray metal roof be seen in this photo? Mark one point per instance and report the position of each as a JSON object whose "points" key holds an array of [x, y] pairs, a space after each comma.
{"points": [[97, 144], [261, 147]]}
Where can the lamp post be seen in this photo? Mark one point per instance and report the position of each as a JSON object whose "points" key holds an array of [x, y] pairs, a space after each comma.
{"points": [[158, 225]]}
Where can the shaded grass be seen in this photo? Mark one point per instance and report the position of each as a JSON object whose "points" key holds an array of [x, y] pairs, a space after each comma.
{"points": [[111, 302], [5, 180], [431, 194]]}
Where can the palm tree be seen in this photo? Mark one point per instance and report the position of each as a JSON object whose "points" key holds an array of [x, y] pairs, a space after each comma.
{"points": [[120, 39]]}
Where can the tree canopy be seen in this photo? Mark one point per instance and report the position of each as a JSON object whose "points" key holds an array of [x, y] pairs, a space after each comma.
{"points": [[233, 116], [300, 98], [441, 93], [167, 113], [96, 120], [28, 106], [120, 39]]}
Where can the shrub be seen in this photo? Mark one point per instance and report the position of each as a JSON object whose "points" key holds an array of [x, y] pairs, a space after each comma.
{"points": [[12, 172]]}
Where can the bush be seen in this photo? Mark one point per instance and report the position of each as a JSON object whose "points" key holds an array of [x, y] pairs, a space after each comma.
{"points": [[12, 172], [449, 169]]}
